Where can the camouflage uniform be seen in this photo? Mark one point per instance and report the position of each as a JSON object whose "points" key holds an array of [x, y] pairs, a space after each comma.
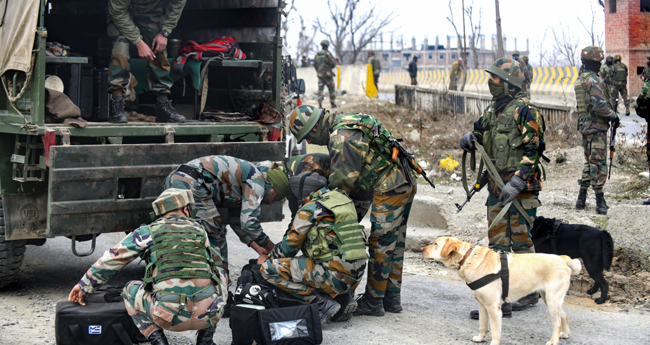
{"points": [[324, 62], [643, 110], [228, 182], [131, 21], [149, 314], [606, 74], [376, 69], [301, 276], [454, 75], [620, 84], [529, 74]]}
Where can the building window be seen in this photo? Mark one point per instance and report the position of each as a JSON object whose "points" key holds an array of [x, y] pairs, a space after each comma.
{"points": [[430, 56], [639, 70], [397, 63], [612, 6], [453, 56], [419, 56], [442, 56], [385, 56], [645, 5], [407, 56]]}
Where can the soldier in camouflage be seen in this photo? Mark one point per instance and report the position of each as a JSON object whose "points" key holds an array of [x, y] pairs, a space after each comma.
{"points": [[324, 62], [523, 63], [529, 74], [454, 75], [594, 115], [376, 67], [146, 25], [363, 168], [643, 110], [232, 183], [513, 122], [619, 77], [191, 297], [334, 255], [606, 73]]}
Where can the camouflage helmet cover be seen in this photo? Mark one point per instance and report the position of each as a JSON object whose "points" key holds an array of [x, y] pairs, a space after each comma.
{"points": [[325, 43], [515, 52], [609, 58], [617, 57], [303, 119], [172, 199], [592, 53], [525, 57], [280, 182], [508, 70]]}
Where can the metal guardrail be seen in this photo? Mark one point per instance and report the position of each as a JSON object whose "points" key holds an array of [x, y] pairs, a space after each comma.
{"points": [[465, 103]]}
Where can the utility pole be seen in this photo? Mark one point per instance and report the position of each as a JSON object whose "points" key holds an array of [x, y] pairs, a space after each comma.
{"points": [[500, 52], [462, 88]]}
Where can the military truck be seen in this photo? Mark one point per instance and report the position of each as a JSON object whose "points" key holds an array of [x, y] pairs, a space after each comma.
{"points": [[57, 179]]}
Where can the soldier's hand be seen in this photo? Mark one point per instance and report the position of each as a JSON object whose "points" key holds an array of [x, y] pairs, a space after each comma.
{"points": [[256, 247], [467, 142], [76, 295], [269, 246], [261, 259], [510, 191], [145, 52], [159, 44], [616, 122]]}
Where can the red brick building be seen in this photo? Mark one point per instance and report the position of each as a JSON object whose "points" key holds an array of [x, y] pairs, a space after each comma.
{"points": [[627, 33]]}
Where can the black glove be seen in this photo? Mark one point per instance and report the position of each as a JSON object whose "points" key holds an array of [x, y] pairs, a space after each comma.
{"points": [[467, 142], [616, 122], [512, 189]]}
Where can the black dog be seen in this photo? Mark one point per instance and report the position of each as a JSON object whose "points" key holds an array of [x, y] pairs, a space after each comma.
{"points": [[594, 247]]}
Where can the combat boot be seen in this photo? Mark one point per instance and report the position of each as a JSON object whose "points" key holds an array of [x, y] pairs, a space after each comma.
{"points": [[392, 302], [158, 338], [320, 103], [165, 113], [327, 306], [228, 307], [348, 306], [646, 201], [333, 105], [582, 199], [204, 337], [369, 305], [601, 205], [117, 110], [526, 302], [506, 311]]}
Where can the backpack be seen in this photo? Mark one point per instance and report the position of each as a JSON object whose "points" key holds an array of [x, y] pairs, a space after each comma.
{"points": [[225, 47]]}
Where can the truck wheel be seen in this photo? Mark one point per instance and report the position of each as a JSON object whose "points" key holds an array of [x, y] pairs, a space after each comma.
{"points": [[11, 254]]}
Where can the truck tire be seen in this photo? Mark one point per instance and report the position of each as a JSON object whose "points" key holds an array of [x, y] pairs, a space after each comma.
{"points": [[11, 254]]}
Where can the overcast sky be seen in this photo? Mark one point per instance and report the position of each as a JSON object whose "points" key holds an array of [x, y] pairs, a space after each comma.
{"points": [[519, 18]]}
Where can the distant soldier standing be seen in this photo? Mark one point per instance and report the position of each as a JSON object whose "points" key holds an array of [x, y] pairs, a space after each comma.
{"points": [[324, 62], [413, 70], [376, 67], [607, 74], [524, 68], [454, 74], [643, 110], [645, 76], [595, 113], [529, 74], [620, 84]]}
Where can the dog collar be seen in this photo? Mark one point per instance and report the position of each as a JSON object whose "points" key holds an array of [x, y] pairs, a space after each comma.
{"points": [[467, 254]]}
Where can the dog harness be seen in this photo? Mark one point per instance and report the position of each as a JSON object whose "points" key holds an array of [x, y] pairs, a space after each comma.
{"points": [[552, 236], [504, 274]]}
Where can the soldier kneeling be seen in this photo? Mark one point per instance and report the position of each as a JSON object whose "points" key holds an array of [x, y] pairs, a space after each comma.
{"points": [[331, 239], [182, 288]]}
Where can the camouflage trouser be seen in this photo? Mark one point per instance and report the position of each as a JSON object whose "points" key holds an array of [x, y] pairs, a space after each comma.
{"points": [[119, 70], [594, 171], [322, 82], [414, 80], [389, 216], [512, 231], [620, 87], [303, 278], [375, 78], [151, 315]]}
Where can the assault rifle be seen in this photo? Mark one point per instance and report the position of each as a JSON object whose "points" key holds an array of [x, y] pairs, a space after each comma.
{"points": [[612, 140], [475, 189], [407, 160]]}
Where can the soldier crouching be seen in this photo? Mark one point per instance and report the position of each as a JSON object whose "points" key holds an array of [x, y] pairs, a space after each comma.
{"points": [[327, 231], [182, 289]]}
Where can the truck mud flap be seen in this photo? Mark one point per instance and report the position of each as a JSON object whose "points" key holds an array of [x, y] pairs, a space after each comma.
{"points": [[109, 188]]}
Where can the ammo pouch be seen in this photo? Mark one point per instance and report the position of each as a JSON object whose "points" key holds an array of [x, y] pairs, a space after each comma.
{"points": [[503, 140], [103, 320]]}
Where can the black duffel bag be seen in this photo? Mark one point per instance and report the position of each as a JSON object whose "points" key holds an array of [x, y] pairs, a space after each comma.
{"points": [[103, 320], [276, 319]]}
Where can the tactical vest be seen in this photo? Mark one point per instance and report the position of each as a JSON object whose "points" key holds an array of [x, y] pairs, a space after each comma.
{"points": [[178, 252], [349, 234], [620, 72], [378, 161], [586, 114], [502, 138], [320, 60]]}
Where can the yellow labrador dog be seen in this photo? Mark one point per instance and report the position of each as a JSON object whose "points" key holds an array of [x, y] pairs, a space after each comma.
{"points": [[550, 275]]}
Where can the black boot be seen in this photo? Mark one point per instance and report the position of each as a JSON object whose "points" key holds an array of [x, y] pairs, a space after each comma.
{"points": [[646, 201], [369, 305], [582, 199], [392, 302], [526, 302], [348, 306], [158, 338], [204, 337], [601, 206], [320, 103], [117, 110], [229, 303], [506, 311], [165, 113], [327, 306], [334, 106]]}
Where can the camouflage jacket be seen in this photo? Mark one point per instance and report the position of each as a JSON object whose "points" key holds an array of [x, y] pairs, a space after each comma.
{"points": [[618, 77], [353, 153], [235, 183], [324, 62], [120, 12], [376, 64], [606, 73], [646, 74], [531, 124], [456, 67], [132, 247], [311, 214], [318, 162], [643, 101], [599, 100]]}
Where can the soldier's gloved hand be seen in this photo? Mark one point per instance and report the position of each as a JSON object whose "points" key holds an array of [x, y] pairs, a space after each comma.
{"points": [[512, 189], [467, 142], [616, 122]]}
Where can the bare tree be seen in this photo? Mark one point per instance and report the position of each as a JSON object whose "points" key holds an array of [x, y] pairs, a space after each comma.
{"points": [[596, 38], [540, 47], [306, 45], [450, 19], [364, 28], [500, 52], [286, 21], [601, 3], [565, 45], [476, 32]]}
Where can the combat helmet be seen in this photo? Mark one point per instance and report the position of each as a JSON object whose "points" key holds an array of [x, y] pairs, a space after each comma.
{"points": [[325, 43], [172, 199], [508, 70], [592, 53], [525, 58], [617, 58], [303, 119], [515, 54], [609, 58]]}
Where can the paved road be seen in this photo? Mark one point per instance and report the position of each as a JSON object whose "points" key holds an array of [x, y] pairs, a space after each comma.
{"points": [[435, 312]]}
